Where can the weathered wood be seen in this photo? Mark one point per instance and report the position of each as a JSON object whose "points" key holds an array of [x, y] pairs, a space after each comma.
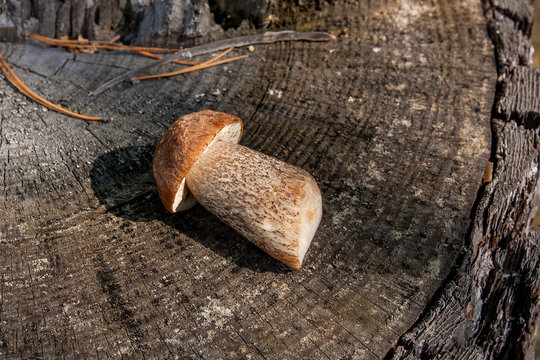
{"points": [[490, 305], [512, 45], [520, 100], [392, 119], [158, 22]]}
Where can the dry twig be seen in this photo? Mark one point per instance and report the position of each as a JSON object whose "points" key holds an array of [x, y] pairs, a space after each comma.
{"points": [[91, 46], [265, 38], [85, 45], [159, 57]]}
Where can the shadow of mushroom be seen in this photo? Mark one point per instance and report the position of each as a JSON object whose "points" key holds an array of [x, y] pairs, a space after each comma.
{"points": [[122, 181]]}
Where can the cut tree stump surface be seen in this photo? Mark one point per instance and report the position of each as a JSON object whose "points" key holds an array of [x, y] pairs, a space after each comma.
{"points": [[393, 120]]}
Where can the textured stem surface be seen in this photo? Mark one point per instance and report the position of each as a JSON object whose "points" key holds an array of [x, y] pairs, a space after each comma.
{"points": [[275, 205]]}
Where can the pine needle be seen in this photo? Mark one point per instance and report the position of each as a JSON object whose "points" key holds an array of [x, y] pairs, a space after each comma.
{"points": [[191, 68], [159, 57], [91, 46], [203, 65], [108, 45], [265, 38], [15, 81]]}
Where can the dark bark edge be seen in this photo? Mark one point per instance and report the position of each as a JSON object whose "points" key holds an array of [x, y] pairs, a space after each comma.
{"points": [[488, 305]]}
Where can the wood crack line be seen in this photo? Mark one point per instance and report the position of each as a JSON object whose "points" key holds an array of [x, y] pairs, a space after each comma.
{"points": [[259, 104]]}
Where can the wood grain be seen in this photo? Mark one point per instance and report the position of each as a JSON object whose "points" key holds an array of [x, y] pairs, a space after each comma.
{"points": [[520, 97], [392, 119], [489, 306]]}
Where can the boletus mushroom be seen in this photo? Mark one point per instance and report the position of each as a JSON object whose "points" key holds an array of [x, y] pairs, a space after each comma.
{"points": [[275, 205]]}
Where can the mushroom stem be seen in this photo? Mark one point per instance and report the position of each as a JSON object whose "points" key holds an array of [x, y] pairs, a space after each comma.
{"points": [[275, 205]]}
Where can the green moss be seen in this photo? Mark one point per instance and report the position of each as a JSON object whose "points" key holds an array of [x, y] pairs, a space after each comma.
{"points": [[306, 27]]}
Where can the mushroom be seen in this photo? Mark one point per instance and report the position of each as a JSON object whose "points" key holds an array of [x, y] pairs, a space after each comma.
{"points": [[273, 204]]}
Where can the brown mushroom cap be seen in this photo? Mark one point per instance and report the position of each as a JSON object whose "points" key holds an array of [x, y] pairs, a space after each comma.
{"points": [[180, 147]]}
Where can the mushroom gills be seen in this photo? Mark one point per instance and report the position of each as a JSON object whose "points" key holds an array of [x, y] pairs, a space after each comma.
{"points": [[275, 205]]}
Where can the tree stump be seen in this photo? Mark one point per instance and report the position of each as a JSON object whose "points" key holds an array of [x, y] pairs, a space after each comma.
{"points": [[420, 124]]}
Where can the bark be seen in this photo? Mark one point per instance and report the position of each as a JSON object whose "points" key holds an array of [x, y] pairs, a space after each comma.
{"points": [[163, 22], [489, 306], [397, 120]]}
